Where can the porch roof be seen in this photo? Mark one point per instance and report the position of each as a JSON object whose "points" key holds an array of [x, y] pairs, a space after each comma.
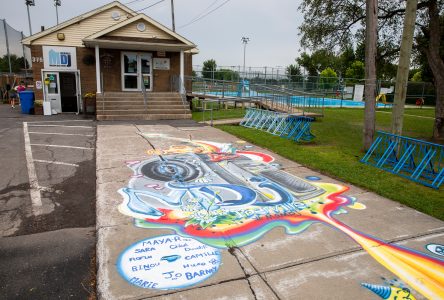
{"points": [[138, 45], [126, 35]]}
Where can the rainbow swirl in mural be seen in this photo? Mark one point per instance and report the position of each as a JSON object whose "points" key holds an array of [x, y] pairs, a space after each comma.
{"points": [[225, 197]]}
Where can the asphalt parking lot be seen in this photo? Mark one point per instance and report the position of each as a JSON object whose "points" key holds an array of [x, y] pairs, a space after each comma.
{"points": [[47, 205]]}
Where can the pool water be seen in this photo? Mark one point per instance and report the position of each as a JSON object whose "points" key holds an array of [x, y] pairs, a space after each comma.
{"points": [[301, 100]]}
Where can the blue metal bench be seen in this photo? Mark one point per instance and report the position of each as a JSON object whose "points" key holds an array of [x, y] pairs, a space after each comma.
{"points": [[413, 159], [296, 128]]}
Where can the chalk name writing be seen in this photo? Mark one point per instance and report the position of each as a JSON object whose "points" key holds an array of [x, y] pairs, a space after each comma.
{"points": [[200, 255], [146, 267], [144, 250], [192, 275], [161, 241], [143, 283], [136, 258], [167, 262], [196, 248], [179, 246], [171, 275], [194, 265]]}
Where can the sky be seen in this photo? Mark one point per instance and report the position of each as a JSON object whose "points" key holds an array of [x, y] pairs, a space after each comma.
{"points": [[271, 26]]}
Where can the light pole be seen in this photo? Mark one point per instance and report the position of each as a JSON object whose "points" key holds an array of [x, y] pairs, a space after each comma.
{"points": [[172, 15], [245, 41], [28, 4], [57, 3]]}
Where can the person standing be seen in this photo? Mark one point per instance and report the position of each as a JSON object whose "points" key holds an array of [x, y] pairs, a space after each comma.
{"points": [[12, 93], [20, 88]]}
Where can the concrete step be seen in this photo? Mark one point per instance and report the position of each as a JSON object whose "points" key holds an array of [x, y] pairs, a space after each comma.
{"points": [[139, 101], [143, 117], [140, 111], [139, 94], [140, 106]]}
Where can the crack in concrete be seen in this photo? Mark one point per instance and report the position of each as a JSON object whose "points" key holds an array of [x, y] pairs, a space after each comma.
{"points": [[350, 251], [261, 275], [232, 251], [191, 289]]}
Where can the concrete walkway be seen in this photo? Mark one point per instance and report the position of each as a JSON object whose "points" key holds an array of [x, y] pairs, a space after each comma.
{"points": [[186, 211]]}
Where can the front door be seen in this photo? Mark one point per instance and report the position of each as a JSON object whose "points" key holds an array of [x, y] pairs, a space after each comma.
{"points": [[52, 90], [68, 92], [136, 68]]}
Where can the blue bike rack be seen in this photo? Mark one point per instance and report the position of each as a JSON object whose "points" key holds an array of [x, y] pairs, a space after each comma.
{"points": [[296, 128], [417, 160]]}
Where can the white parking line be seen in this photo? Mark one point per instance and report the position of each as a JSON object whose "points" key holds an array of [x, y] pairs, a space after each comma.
{"points": [[62, 146], [60, 121], [55, 162], [52, 125], [56, 133], [36, 198]]}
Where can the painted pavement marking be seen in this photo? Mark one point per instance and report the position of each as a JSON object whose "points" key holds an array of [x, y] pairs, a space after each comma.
{"points": [[56, 162], [62, 121], [62, 146], [36, 198], [68, 126], [56, 133]]}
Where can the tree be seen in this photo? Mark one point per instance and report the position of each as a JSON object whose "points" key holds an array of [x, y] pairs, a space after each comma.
{"points": [[294, 73], [17, 63], [345, 60], [226, 74], [332, 24], [402, 75], [209, 68], [417, 77], [328, 78], [371, 29], [356, 72], [317, 61]]}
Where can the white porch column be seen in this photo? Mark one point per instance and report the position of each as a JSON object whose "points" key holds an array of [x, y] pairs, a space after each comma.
{"points": [[99, 90], [182, 72]]}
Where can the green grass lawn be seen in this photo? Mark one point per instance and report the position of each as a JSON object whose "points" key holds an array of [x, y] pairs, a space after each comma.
{"points": [[337, 149], [233, 113]]}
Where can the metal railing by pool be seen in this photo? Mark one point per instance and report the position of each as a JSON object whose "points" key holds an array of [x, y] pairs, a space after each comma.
{"points": [[269, 96]]}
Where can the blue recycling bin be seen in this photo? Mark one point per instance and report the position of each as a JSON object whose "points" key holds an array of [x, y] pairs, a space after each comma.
{"points": [[27, 102]]}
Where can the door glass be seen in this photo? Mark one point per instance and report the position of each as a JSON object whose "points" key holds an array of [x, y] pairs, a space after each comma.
{"points": [[146, 64], [130, 81], [130, 63], [147, 81], [52, 87]]}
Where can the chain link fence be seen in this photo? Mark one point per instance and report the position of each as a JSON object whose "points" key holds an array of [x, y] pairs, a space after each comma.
{"points": [[12, 52], [334, 87]]}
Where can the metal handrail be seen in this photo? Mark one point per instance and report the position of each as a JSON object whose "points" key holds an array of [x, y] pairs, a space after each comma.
{"points": [[275, 96], [142, 87]]}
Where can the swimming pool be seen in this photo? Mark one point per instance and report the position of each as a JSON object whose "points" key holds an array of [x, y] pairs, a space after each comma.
{"points": [[300, 100], [329, 102]]}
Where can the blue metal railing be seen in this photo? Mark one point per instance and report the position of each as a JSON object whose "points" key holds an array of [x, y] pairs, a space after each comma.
{"points": [[296, 128], [272, 96], [417, 160]]}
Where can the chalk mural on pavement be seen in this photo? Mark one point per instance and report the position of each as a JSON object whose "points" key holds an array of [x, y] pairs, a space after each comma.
{"points": [[168, 262], [436, 249], [391, 290], [223, 197]]}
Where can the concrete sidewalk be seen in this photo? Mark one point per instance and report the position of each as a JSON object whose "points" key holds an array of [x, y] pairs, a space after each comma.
{"points": [[186, 211]]}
